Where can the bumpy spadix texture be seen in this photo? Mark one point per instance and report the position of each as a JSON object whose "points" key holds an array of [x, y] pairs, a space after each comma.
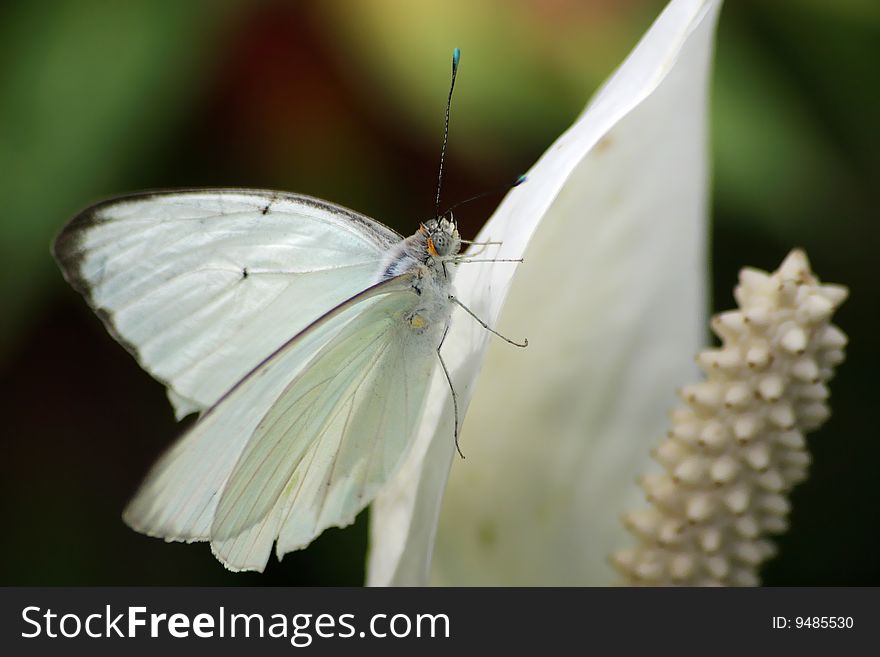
{"points": [[737, 447]]}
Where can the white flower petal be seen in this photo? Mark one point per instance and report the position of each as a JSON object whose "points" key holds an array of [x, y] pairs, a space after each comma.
{"points": [[615, 271]]}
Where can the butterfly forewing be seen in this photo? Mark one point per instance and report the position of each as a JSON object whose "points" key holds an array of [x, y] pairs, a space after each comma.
{"points": [[201, 286]]}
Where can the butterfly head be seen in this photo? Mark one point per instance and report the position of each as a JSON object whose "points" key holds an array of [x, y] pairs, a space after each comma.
{"points": [[441, 237]]}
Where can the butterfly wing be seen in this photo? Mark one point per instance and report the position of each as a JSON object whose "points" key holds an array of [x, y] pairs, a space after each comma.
{"points": [[200, 286], [302, 443]]}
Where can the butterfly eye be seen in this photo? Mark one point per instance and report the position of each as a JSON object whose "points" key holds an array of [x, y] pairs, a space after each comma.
{"points": [[441, 243]]}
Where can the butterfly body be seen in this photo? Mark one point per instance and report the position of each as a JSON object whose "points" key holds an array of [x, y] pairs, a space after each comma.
{"points": [[425, 254]]}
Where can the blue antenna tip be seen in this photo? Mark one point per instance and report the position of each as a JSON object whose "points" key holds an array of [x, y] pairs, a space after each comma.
{"points": [[456, 55], [520, 180]]}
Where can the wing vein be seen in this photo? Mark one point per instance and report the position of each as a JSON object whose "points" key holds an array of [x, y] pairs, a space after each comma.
{"points": [[329, 477], [225, 518]]}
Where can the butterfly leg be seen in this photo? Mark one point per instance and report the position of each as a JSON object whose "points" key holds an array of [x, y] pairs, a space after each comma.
{"points": [[482, 245], [462, 260], [451, 389], [524, 343]]}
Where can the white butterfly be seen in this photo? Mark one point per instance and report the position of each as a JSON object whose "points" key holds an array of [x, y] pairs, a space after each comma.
{"points": [[306, 334]]}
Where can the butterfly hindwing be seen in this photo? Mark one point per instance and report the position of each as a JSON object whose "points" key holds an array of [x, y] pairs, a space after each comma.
{"points": [[303, 442]]}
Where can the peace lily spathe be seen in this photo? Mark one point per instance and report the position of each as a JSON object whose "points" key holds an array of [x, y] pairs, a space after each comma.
{"points": [[611, 224]]}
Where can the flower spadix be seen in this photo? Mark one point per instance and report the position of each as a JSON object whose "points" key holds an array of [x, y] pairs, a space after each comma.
{"points": [[611, 225], [736, 448]]}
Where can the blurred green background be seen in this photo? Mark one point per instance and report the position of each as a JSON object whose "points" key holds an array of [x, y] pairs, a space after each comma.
{"points": [[344, 100]]}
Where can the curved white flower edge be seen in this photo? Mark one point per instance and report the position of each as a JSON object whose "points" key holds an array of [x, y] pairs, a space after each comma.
{"points": [[404, 517]]}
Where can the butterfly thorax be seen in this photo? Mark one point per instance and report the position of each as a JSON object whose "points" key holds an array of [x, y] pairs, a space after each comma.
{"points": [[425, 254], [434, 243]]}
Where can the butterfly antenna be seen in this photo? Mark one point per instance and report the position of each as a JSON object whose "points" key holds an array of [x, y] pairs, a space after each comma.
{"points": [[488, 192], [456, 55]]}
